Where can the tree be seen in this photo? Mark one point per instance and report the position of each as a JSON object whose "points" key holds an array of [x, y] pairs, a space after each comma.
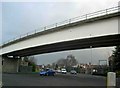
{"points": [[26, 58], [31, 62], [32, 59], [68, 62], [116, 56], [71, 61], [61, 62]]}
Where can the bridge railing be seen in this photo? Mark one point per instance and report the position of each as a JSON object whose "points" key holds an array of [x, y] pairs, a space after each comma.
{"points": [[69, 21]]}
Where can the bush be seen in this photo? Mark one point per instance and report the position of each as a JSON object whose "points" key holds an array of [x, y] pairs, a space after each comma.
{"points": [[118, 73]]}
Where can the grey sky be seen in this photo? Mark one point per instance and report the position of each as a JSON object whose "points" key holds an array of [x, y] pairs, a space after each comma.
{"points": [[83, 56], [21, 17]]}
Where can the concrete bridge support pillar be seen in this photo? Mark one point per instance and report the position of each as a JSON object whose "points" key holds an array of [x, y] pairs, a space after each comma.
{"points": [[10, 65]]}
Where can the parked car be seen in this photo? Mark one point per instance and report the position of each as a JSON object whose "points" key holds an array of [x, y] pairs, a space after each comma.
{"points": [[73, 72], [63, 71], [47, 72]]}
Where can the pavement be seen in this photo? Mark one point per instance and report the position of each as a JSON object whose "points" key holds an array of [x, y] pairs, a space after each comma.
{"points": [[57, 80]]}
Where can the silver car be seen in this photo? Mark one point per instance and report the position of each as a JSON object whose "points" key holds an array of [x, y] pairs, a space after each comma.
{"points": [[73, 72]]}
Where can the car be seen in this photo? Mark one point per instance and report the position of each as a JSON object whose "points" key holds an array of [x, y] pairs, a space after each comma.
{"points": [[47, 72], [73, 72], [63, 71], [58, 71]]}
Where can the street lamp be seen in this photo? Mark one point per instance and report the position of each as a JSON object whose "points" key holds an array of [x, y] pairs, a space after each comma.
{"points": [[91, 54], [91, 51]]}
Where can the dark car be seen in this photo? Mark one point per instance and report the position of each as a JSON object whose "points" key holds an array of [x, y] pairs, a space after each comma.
{"points": [[47, 72], [73, 72]]}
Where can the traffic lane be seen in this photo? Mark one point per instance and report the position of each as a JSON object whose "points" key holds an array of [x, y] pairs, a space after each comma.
{"points": [[57, 80], [86, 79], [35, 80]]}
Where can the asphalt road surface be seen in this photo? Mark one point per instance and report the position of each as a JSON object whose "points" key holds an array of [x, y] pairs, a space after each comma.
{"points": [[57, 80]]}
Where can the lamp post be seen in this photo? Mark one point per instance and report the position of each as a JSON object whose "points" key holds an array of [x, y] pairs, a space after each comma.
{"points": [[91, 52], [91, 57]]}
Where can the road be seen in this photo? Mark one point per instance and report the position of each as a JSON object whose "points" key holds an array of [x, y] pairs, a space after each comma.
{"points": [[57, 80]]}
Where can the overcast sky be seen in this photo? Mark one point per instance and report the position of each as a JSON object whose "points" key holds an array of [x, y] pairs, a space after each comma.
{"points": [[21, 17]]}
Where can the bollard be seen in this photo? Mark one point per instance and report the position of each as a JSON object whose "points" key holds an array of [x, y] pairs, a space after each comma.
{"points": [[111, 80], [0, 84]]}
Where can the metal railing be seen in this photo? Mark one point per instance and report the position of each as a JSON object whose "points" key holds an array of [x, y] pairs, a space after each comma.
{"points": [[69, 21]]}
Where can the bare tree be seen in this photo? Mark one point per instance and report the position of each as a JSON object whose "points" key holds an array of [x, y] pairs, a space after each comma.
{"points": [[32, 59], [69, 61]]}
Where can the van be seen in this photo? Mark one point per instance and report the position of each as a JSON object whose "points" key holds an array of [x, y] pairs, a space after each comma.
{"points": [[63, 71]]}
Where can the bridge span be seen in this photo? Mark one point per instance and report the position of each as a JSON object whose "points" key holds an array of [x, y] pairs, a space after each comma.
{"points": [[102, 41], [98, 29]]}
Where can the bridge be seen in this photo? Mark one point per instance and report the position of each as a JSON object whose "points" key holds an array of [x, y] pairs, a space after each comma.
{"points": [[76, 33]]}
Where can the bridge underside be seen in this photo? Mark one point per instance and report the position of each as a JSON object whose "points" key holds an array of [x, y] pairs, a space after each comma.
{"points": [[102, 41]]}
